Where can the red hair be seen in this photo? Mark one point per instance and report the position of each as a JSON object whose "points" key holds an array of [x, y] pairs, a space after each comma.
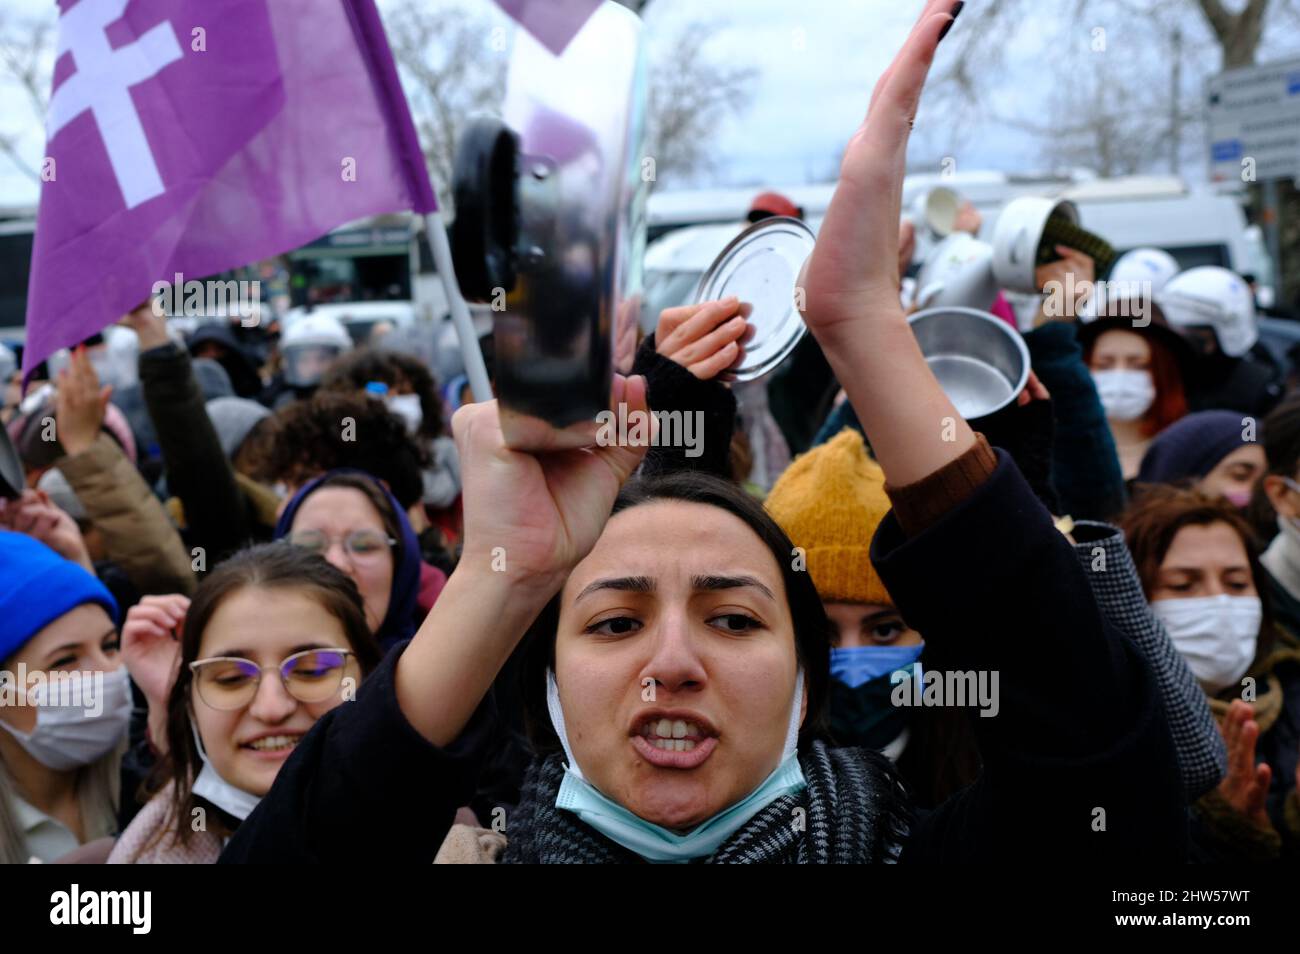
{"points": [[1170, 403]]}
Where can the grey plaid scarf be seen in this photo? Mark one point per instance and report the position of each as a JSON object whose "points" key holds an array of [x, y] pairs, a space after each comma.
{"points": [[854, 810]]}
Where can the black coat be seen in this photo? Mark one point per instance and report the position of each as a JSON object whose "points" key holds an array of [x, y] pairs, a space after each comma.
{"points": [[1078, 764], [1251, 385], [218, 516]]}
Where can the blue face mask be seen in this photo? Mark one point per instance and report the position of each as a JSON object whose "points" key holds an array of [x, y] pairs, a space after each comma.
{"points": [[654, 842], [857, 665]]}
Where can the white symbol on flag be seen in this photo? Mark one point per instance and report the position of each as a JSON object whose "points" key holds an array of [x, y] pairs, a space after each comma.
{"points": [[102, 84]]}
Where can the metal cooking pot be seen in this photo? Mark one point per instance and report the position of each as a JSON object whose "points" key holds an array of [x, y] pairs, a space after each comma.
{"points": [[980, 361], [550, 226]]}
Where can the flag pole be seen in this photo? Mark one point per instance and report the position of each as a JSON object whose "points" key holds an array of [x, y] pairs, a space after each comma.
{"points": [[475, 369]]}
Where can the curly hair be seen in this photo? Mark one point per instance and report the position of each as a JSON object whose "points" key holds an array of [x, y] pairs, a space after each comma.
{"points": [[358, 368], [336, 430]]}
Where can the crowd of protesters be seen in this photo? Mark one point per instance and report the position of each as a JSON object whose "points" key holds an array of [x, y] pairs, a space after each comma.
{"points": [[332, 616]]}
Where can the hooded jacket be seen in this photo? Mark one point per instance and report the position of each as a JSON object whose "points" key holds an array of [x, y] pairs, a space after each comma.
{"points": [[399, 623]]}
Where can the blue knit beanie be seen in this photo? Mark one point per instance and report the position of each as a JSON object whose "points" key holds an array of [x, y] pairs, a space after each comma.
{"points": [[1192, 446], [37, 586]]}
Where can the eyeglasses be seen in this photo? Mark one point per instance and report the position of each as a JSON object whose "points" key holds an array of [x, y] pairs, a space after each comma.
{"points": [[363, 546], [229, 682]]}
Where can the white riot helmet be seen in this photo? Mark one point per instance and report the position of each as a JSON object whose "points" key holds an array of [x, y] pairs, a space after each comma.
{"points": [[1216, 298], [309, 346], [1139, 275], [8, 364], [1138, 265]]}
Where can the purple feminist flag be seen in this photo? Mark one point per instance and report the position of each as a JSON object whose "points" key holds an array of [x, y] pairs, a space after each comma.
{"points": [[553, 23], [194, 136]]}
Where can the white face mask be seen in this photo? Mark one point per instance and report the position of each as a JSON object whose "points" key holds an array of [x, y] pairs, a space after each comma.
{"points": [[1125, 394], [93, 721], [217, 790], [407, 407], [1217, 635]]}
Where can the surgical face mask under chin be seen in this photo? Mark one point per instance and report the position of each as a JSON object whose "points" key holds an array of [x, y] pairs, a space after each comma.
{"points": [[407, 407], [1125, 394], [557, 721], [1217, 635], [654, 842], [78, 721], [210, 785]]}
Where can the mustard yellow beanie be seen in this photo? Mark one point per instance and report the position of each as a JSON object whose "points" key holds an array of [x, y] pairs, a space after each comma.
{"points": [[829, 502]]}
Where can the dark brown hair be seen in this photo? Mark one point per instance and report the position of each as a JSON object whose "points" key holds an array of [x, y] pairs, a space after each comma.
{"points": [[268, 566], [1155, 516], [356, 369], [307, 438], [1282, 437]]}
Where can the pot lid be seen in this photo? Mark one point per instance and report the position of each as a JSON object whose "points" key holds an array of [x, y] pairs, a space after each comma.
{"points": [[761, 266]]}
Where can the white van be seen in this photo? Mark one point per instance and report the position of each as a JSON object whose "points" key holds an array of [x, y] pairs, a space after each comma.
{"points": [[688, 228], [1195, 227]]}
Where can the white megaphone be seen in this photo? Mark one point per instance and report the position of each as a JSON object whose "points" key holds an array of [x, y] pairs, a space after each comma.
{"points": [[962, 271], [937, 210], [1018, 237]]}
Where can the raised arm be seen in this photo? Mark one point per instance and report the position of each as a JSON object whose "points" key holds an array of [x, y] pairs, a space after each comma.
{"points": [[528, 521], [138, 536], [198, 472], [683, 364], [413, 742], [973, 560], [851, 280]]}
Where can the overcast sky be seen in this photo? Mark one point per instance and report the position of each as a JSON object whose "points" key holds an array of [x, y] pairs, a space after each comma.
{"points": [[816, 60]]}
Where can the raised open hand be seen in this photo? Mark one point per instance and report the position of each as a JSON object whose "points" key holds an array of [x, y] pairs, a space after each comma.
{"points": [[539, 514], [852, 274], [1246, 784]]}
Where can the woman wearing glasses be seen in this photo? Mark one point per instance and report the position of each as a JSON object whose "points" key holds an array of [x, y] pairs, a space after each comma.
{"points": [[350, 519], [274, 638]]}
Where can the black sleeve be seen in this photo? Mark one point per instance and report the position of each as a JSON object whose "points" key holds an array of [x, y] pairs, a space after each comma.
{"points": [[1078, 762], [672, 388], [197, 469], [363, 786], [1084, 463]]}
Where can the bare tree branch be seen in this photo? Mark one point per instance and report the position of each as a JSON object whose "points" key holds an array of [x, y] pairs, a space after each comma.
{"points": [[453, 66], [26, 49], [690, 94], [1238, 34]]}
